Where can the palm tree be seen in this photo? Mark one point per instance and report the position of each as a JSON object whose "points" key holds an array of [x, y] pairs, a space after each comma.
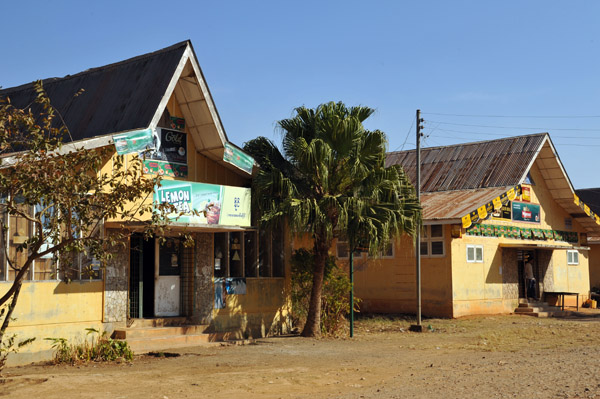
{"points": [[331, 179]]}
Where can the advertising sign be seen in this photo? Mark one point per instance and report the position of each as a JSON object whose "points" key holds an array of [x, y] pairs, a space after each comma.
{"points": [[135, 141], [525, 212], [169, 157], [215, 204], [238, 158], [504, 213]]}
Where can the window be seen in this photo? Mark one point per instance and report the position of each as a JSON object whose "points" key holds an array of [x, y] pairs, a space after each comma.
{"points": [[475, 253], [432, 240], [572, 257], [249, 253], [271, 252]]}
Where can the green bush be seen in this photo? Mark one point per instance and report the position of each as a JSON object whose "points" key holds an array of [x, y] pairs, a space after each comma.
{"points": [[335, 299], [100, 348]]}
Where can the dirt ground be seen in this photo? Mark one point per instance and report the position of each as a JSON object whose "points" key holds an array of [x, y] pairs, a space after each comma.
{"points": [[478, 357]]}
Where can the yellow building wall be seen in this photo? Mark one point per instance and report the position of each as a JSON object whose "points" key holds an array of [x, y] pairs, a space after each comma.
{"points": [[478, 288], [52, 309], [594, 262], [388, 284], [263, 310]]}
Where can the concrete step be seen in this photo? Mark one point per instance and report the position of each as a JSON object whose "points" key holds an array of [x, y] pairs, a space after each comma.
{"points": [[142, 332], [162, 343], [158, 322]]}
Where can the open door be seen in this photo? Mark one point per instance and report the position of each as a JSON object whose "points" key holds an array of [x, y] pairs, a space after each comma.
{"points": [[167, 287]]}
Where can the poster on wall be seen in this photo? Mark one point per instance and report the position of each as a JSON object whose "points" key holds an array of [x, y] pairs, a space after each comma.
{"points": [[526, 194], [525, 212], [204, 203], [169, 157], [504, 212]]}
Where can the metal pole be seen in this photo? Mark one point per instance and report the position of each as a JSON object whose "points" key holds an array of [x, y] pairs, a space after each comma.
{"points": [[351, 256], [418, 326]]}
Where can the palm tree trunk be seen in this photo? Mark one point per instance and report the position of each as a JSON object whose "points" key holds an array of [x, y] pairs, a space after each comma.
{"points": [[312, 327]]}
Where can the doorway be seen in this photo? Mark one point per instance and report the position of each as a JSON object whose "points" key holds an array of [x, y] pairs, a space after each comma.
{"points": [[141, 278], [522, 257], [155, 280]]}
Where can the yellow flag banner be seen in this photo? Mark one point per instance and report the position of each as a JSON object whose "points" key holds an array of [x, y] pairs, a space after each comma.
{"points": [[486, 210], [466, 221], [497, 202], [482, 212]]}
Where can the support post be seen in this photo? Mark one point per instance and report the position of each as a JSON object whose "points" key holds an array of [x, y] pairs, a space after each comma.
{"points": [[351, 267], [418, 327]]}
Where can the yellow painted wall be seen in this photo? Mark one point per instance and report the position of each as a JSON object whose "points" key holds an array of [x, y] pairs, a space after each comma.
{"points": [[53, 309], [388, 285], [594, 262], [477, 287], [262, 311]]}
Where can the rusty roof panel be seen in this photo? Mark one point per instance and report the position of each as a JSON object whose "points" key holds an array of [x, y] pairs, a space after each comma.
{"points": [[456, 204], [117, 97], [493, 163]]}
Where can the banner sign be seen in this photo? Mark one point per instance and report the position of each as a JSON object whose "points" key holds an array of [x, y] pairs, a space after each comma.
{"points": [[238, 158], [525, 233], [586, 209], [135, 141], [492, 208], [525, 212], [215, 204], [169, 157]]}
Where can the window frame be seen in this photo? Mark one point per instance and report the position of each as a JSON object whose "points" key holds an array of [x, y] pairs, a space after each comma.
{"points": [[426, 238], [475, 247], [574, 258]]}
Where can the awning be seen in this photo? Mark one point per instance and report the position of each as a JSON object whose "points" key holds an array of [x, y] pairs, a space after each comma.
{"points": [[542, 246]]}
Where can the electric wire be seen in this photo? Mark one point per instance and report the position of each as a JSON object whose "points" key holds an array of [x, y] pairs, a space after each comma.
{"points": [[515, 116], [515, 127]]}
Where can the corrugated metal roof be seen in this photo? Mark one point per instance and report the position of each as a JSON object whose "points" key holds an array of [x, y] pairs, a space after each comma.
{"points": [[456, 204], [117, 97], [493, 163], [591, 197]]}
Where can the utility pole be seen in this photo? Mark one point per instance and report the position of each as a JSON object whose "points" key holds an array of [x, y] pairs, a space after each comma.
{"points": [[418, 327]]}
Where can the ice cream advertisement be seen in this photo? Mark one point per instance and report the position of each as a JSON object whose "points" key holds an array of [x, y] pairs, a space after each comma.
{"points": [[215, 204]]}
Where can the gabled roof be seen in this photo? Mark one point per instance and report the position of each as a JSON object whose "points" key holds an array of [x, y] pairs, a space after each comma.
{"points": [[133, 94], [116, 97], [591, 197], [458, 179], [484, 164]]}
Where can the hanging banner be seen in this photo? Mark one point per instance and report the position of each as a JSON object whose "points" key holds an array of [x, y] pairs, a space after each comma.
{"points": [[466, 221], [169, 157], [238, 158], [497, 203], [498, 208], [214, 204], [134, 141]]}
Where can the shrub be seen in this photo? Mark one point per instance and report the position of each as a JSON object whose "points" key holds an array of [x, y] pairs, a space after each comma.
{"points": [[335, 300], [100, 348]]}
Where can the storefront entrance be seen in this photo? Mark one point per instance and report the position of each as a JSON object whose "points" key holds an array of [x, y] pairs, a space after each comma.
{"points": [[155, 279], [523, 257]]}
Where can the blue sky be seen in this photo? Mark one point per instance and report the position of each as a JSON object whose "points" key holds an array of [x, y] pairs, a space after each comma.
{"points": [[514, 59]]}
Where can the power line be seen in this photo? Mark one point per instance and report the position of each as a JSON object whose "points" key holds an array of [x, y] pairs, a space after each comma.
{"points": [[406, 139], [515, 127], [503, 135], [517, 116]]}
